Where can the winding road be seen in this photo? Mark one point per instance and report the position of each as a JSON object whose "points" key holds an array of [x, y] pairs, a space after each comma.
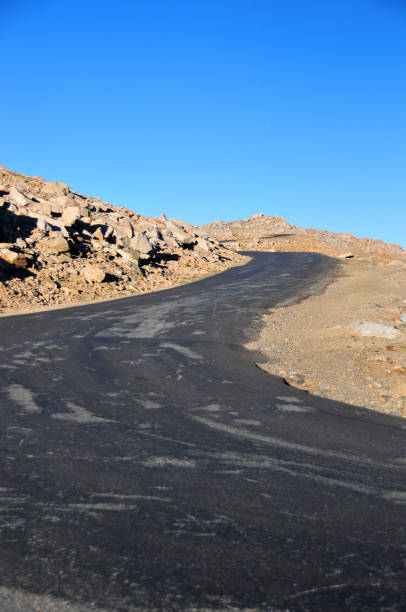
{"points": [[148, 463]]}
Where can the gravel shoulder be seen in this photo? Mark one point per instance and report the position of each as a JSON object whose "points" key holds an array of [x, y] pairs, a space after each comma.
{"points": [[347, 344]]}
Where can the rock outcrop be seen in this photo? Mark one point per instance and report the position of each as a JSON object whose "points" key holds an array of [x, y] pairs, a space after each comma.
{"points": [[263, 232], [57, 245]]}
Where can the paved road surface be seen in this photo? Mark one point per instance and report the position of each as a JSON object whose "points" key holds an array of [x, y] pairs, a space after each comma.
{"points": [[147, 463]]}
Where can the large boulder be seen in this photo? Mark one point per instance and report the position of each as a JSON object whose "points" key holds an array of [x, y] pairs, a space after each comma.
{"points": [[141, 243], [18, 197], [182, 237], [70, 215], [204, 245], [53, 188], [124, 228], [155, 236]]}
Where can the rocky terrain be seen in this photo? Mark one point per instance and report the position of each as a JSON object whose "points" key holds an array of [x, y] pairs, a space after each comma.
{"points": [[59, 246], [263, 232]]}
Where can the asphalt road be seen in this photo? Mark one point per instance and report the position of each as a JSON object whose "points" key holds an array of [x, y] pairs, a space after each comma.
{"points": [[148, 463]]}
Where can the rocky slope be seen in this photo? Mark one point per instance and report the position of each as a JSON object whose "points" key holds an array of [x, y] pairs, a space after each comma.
{"points": [[262, 232], [59, 246]]}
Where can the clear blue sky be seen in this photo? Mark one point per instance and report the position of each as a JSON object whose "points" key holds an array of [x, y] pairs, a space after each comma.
{"points": [[214, 109]]}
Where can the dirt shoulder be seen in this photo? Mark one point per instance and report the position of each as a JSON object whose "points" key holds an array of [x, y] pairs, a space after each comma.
{"points": [[177, 273], [347, 344]]}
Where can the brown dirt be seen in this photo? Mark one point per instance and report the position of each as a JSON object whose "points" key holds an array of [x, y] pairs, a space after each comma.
{"points": [[175, 273], [313, 345]]}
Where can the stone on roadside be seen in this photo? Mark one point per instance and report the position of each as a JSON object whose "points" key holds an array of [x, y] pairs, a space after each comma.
{"points": [[93, 274], [378, 330]]}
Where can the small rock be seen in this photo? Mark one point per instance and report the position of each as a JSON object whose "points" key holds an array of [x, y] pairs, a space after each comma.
{"points": [[94, 275], [16, 259], [378, 330], [58, 245]]}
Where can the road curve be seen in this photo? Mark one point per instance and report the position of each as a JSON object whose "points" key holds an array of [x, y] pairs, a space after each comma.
{"points": [[147, 463]]}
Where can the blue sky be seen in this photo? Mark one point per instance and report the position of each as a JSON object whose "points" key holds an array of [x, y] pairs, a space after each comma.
{"points": [[214, 109]]}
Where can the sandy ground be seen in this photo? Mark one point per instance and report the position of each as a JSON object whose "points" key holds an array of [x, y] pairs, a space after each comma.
{"points": [[318, 344]]}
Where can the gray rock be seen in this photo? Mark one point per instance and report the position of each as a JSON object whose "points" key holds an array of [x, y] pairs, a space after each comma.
{"points": [[70, 215], [154, 236], [62, 201], [378, 330], [125, 228], [204, 245], [182, 237], [43, 225], [52, 188], [141, 243], [18, 197], [52, 223]]}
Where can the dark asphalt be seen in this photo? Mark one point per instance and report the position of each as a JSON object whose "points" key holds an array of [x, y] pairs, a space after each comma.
{"points": [[147, 463]]}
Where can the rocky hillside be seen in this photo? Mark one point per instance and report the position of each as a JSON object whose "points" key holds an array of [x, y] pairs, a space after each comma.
{"points": [[262, 232], [58, 246]]}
